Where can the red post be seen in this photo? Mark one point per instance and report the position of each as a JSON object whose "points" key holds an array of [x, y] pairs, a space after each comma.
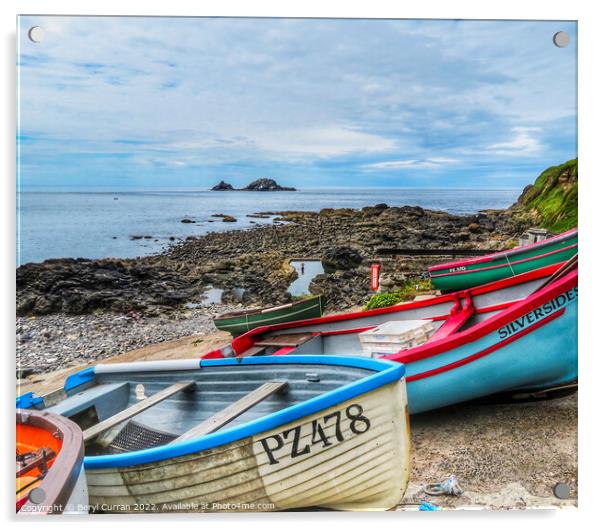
{"points": [[374, 276]]}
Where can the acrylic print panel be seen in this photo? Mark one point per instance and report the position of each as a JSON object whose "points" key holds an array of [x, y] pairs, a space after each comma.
{"points": [[233, 210]]}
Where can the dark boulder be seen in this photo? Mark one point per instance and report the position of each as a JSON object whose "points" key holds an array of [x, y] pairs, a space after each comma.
{"points": [[341, 258]]}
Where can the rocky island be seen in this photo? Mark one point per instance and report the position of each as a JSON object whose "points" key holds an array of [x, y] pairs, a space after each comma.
{"points": [[222, 186], [262, 184]]}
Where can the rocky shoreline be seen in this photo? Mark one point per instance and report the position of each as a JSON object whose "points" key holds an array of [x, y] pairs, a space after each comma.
{"points": [[256, 261], [78, 310]]}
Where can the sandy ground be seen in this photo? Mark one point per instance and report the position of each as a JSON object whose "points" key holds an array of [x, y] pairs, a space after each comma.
{"points": [[504, 456]]}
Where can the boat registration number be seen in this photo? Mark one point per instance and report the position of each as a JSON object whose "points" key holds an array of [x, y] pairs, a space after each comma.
{"points": [[301, 445]]}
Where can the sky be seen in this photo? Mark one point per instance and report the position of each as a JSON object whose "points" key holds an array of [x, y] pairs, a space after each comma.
{"points": [[187, 102]]}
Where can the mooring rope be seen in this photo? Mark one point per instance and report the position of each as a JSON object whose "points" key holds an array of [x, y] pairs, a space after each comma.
{"points": [[451, 486]]}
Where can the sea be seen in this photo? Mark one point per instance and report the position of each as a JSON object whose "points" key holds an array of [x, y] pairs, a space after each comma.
{"points": [[84, 223]]}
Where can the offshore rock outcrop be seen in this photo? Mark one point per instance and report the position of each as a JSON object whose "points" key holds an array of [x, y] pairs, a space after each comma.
{"points": [[222, 186], [266, 185], [262, 184]]}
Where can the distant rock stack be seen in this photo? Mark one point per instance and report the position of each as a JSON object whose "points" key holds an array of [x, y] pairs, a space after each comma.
{"points": [[222, 186], [266, 185], [262, 184]]}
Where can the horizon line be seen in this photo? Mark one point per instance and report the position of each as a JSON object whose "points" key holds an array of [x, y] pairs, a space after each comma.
{"points": [[201, 188]]}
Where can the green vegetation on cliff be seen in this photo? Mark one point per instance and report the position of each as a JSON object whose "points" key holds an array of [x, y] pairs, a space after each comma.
{"points": [[551, 202]]}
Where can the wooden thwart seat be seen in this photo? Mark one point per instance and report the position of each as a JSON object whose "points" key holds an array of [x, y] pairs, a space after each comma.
{"points": [[253, 350], [294, 339], [225, 416], [139, 407]]}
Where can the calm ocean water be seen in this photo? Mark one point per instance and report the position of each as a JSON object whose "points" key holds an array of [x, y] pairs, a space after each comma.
{"points": [[97, 224]]}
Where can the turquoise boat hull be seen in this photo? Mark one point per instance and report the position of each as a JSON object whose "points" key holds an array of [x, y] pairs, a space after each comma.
{"points": [[543, 357]]}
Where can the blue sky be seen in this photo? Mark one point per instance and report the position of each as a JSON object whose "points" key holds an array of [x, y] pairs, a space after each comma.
{"points": [[185, 102]]}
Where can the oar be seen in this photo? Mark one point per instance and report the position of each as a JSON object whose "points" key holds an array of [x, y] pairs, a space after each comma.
{"points": [[567, 267]]}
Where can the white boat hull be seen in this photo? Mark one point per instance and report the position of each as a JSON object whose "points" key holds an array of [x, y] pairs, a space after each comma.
{"points": [[305, 463]]}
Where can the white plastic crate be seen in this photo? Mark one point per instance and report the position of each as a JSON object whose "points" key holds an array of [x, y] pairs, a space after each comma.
{"points": [[391, 337]]}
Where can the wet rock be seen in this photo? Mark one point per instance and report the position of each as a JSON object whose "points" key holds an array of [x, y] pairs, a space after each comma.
{"points": [[341, 258], [258, 215]]}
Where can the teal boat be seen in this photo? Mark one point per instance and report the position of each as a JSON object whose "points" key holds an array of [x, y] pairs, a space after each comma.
{"points": [[457, 275], [240, 322], [516, 337]]}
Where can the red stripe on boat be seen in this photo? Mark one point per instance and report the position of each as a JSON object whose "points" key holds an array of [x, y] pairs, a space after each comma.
{"points": [[486, 351], [429, 349]]}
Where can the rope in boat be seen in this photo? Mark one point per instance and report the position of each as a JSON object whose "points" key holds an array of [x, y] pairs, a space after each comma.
{"points": [[510, 265], [451, 486]]}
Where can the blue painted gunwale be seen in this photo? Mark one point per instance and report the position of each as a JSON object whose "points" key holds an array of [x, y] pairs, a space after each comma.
{"points": [[385, 372]]}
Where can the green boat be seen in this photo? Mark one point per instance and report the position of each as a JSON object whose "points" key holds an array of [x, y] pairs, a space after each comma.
{"points": [[457, 275], [240, 322]]}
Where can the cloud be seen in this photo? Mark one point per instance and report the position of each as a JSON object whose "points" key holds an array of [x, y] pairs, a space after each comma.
{"points": [[356, 95], [326, 141], [428, 163], [525, 142]]}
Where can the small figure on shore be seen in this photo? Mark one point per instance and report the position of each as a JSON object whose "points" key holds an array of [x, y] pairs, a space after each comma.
{"points": [[302, 267]]}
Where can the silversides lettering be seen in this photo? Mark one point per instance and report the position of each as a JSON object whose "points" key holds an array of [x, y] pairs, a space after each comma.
{"points": [[537, 314]]}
